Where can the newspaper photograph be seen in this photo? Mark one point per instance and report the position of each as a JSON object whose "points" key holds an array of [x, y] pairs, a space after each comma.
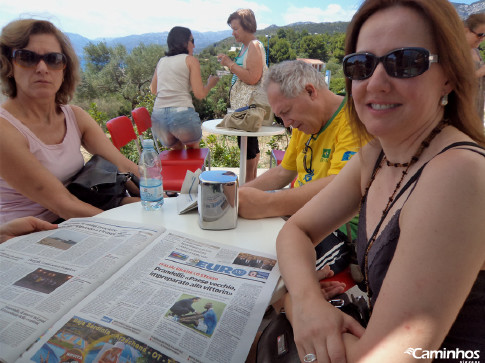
{"points": [[181, 299], [44, 274]]}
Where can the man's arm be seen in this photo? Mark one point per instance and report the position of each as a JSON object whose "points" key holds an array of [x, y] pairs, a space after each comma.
{"points": [[255, 203], [273, 179]]}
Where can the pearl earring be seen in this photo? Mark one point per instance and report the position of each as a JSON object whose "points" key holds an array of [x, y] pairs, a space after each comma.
{"points": [[444, 100]]}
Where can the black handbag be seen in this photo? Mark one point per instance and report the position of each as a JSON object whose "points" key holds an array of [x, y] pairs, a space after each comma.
{"points": [[100, 184], [277, 345]]}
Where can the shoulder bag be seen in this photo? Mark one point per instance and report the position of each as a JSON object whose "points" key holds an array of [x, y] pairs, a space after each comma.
{"points": [[100, 184], [249, 118]]}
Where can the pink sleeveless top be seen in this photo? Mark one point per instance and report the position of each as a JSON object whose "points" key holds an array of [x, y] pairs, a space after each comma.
{"points": [[63, 160]]}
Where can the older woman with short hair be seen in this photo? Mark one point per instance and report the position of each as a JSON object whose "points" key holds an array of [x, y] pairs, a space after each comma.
{"points": [[475, 34], [248, 67]]}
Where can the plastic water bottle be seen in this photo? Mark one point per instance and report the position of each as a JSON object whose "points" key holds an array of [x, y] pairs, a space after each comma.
{"points": [[151, 186]]}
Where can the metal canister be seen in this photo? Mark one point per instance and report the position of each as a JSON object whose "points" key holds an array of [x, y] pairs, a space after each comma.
{"points": [[218, 199]]}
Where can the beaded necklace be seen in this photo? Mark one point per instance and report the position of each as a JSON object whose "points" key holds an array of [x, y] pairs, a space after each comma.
{"points": [[426, 142]]}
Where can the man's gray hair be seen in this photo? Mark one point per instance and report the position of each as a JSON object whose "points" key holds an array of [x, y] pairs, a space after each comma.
{"points": [[293, 76]]}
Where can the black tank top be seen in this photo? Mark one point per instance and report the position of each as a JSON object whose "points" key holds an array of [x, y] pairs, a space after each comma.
{"points": [[468, 331]]}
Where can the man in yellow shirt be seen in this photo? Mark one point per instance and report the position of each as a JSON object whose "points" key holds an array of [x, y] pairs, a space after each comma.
{"points": [[321, 142]]}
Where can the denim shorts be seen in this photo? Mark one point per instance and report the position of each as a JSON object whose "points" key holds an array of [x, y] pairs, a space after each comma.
{"points": [[173, 124]]}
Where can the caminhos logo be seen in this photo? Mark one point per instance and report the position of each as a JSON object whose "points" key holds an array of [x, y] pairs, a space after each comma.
{"points": [[465, 356]]}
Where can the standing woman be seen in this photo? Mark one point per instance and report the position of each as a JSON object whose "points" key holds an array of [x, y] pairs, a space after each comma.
{"points": [[475, 34], [41, 135], [175, 122], [248, 67]]}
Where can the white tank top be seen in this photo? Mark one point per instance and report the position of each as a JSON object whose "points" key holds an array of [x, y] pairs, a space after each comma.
{"points": [[63, 160], [173, 82]]}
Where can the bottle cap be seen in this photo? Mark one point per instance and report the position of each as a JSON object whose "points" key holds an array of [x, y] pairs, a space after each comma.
{"points": [[148, 143]]}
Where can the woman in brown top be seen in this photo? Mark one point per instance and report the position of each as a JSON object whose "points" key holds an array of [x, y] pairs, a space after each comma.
{"points": [[420, 184]]}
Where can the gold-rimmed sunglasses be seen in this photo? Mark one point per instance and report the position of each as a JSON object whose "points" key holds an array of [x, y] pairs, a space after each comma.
{"points": [[309, 169]]}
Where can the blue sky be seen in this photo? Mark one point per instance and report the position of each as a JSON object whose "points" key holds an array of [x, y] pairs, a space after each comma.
{"points": [[113, 18]]}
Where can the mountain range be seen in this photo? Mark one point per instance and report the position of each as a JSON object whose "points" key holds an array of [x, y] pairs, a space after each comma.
{"points": [[205, 39]]}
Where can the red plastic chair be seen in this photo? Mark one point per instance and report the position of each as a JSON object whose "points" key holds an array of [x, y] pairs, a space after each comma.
{"points": [[143, 122], [190, 157], [276, 157], [173, 177], [344, 276], [122, 132]]}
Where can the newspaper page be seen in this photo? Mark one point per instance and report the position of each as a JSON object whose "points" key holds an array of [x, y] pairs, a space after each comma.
{"points": [[181, 300], [187, 199], [44, 274]]}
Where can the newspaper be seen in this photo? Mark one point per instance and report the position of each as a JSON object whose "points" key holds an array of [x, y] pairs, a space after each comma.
{"points": [[180, 299], [44, 274], [187, 199]]}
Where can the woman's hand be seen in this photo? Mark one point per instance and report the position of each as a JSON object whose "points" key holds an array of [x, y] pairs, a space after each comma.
{"points": [[329, 288], [224, 60], [24, 225], [318, 329], [480, 72], [212, 81]]}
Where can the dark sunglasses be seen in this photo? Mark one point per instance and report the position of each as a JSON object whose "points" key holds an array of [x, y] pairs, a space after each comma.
{"points": [[308, 169], [28, 59], [192, 40], [480, 35], [400, 63]]}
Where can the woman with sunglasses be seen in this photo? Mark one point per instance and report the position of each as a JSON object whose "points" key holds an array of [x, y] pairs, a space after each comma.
{"points": [[175, 122], [475, 34], [41, 134], [419, 185]]}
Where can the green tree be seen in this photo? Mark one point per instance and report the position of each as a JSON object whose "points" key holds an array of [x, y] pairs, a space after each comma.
{"points": [[313, 46], [281, 51], [115, 80]]}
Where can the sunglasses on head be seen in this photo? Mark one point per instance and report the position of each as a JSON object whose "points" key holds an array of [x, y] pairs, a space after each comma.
{"points": [[28, 59], [480, 35], [400, 63]]}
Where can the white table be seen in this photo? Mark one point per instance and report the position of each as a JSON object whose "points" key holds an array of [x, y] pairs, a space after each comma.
{"points": [[258, 235], [211, 126]]}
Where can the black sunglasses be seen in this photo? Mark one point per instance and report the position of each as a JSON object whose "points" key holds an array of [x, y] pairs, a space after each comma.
{"points": [[480, 35], [305, 151], [400, 63], [28, 59], [192, 40]]}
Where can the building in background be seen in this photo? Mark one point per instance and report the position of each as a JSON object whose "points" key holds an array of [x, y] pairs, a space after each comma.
{"points": [[315, 63]]}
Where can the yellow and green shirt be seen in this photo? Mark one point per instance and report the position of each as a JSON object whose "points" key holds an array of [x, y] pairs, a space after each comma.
{"points": [[332, 147]]}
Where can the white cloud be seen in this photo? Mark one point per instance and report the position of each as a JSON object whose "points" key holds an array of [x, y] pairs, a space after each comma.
{"points": [[332, 13], [112, 18]]}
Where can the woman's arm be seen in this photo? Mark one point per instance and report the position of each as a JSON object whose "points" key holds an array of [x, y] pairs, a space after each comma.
{"points": [[436, 262], [30, 178], [317, 325], [480, 72], [95, 141], [254, 65], [153, 84], [200, 91]]}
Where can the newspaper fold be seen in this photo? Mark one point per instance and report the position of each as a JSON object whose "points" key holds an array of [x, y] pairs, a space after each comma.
{"points": [[187, 199]]}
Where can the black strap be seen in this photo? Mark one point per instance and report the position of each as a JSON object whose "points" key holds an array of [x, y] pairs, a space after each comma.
{"points": [[416, 176]]}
